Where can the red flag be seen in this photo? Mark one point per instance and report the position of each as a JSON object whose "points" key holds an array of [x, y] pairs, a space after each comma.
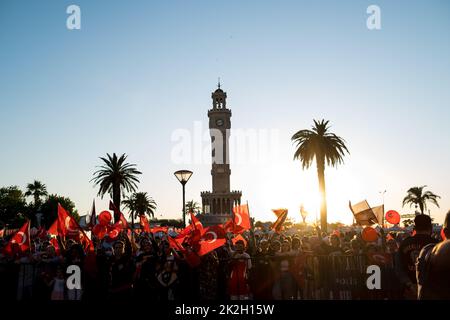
{"points": [[195, 222], [278, 212], [159, 229], [144, 223], [122, 223], [195, 227], [42, 233], [120, 220], [213, 238], [240, 220], [281, 218], [237, 238], [191, 257], [55, 244], [93, 217], [53, 230], [69, 227], [20, 242]]}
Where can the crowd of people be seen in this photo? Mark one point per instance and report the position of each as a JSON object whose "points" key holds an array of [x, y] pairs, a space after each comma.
{"points": [[259, 266]]}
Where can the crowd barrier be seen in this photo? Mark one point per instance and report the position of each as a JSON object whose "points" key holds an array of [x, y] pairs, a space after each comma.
{"points": [[323, 277]]}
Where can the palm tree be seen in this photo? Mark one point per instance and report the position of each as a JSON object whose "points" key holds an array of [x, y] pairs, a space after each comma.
{"points": [[37, 190], [416, 196], [192, 206], [116, 177], [140, 203], [325, 147]]}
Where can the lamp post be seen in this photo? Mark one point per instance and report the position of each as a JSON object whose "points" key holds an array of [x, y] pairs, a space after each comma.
{"points": [[382, 197], [183, 176]]}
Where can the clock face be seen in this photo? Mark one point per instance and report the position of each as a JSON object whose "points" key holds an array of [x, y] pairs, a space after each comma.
{"points": [[219, 122]]}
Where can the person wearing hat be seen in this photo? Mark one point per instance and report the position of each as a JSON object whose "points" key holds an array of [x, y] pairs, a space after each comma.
{"points": [[408, 253]]}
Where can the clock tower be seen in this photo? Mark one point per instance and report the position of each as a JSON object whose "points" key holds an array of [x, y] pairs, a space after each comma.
{"points": [[218, 204]]}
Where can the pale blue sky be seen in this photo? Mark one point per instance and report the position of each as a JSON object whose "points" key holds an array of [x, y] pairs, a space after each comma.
{"points": [[137, 71]]}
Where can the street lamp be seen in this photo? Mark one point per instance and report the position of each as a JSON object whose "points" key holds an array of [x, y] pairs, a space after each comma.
{"points": [[382, 197], [183, 176]]}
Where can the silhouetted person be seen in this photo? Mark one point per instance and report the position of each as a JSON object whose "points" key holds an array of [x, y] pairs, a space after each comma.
{"points": [[433, 272], [446, 225], [409, 252]]}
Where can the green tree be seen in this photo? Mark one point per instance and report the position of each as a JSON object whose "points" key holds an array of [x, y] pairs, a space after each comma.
{"points": [[192, 206], [326, 148], [49, 208], [13, 206], [140, 203], [36, 190], [115, 177], [417, 197]]}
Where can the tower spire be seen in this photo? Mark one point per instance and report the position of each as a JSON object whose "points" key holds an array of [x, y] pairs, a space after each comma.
{"points": [[218, 83]]}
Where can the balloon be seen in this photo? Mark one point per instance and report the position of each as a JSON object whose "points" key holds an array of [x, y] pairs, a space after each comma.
{"points": [[369, 234], [114, 233], [392, 217], [99, 231], [104, 218]]}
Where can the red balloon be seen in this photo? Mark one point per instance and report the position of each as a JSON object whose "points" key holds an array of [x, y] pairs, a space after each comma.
{"points": [[393, 217], [114, 233], [104, 218], [99, 231], [369, 234]]}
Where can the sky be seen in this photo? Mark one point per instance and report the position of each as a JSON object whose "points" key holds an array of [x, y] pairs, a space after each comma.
{"points": [[139, 75]]}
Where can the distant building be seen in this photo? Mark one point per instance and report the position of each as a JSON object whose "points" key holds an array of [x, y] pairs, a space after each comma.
{"points": [[218, 204]]}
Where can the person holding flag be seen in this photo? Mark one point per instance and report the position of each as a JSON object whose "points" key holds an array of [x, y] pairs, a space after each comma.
{"points": [[240, 265]]}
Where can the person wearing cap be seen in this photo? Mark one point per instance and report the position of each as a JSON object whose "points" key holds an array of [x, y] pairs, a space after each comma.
{"points": [[408, 253]]}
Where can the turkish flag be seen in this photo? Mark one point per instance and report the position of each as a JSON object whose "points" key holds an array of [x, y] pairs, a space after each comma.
{"points": [[279, 223], [68, 227], [144, 223], [195, 225], [240, 220], [122, 223], [159, 229], [213, 238], [55, 244], [53, 230], [20, 242], [238, 238], [195, 222], [190, 256]]}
